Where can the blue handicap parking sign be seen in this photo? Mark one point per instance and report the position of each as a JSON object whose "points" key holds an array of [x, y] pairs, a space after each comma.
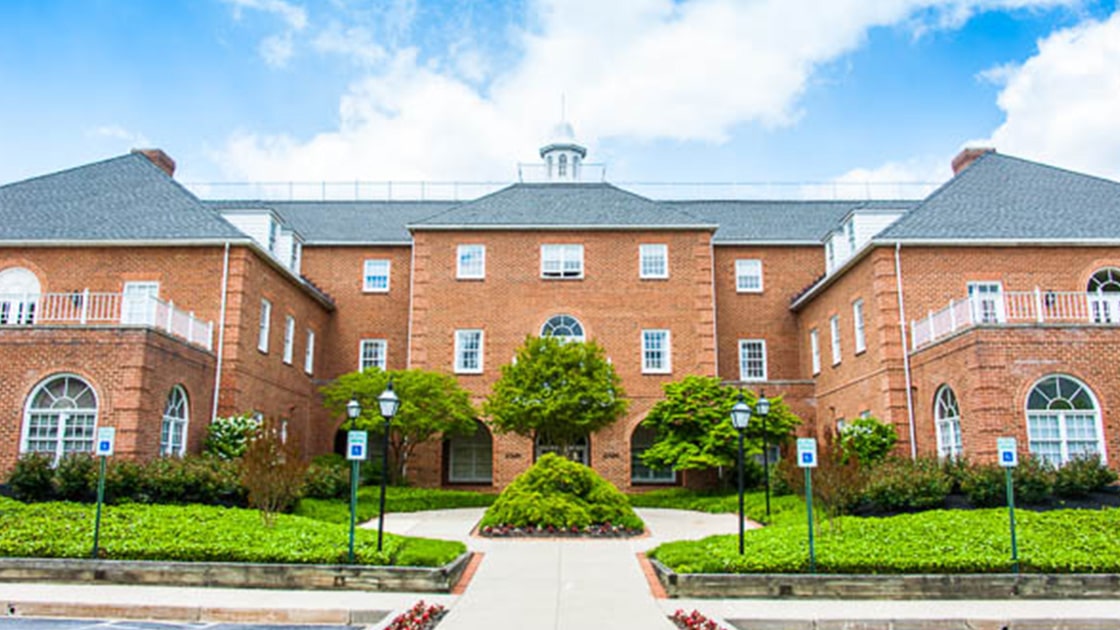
{"points": [[356, 450], [104, 445], [806, 458], [1008, 456]]}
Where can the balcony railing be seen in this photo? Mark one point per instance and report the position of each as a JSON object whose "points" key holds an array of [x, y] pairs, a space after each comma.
{"points": [[1016, 307], [86, 308]]}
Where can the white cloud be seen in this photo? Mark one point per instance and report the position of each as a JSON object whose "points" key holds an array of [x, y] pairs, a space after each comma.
{"points": [[641, 69], [908, 179], [1062, 105], [295, 16], [356, 43], [277, 49], [115, 132]]}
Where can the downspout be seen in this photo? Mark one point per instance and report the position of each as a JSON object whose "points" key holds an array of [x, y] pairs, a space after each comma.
{"points": [[905, 348], [715, 323], [221, 334], [411, 292]]}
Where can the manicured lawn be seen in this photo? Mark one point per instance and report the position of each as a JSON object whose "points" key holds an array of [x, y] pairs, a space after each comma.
{"points": [[200, 533], [939, 541], [397, 499]]}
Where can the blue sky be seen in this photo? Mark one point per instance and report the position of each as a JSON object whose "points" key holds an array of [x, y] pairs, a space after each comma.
{"points": [[693, 90]]}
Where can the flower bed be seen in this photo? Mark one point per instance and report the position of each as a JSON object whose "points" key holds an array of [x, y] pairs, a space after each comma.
{"points": [[420, 617], [694, 620], [605, 530]]}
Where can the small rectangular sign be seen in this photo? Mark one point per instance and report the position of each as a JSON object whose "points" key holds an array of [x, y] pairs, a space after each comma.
{"points": [[356, 442], [806, 452], [106, 436], [1008, 452]]}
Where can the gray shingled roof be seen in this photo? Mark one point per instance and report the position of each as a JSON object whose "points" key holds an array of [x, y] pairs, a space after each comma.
{"points": [[347, 222], [779, 221], [126, 198], [545, 206], [1000, 197]]}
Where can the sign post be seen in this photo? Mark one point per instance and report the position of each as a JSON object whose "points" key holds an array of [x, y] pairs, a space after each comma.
{"points": [[1009, 458], [356, 443], [106, 436], [807, 459]]}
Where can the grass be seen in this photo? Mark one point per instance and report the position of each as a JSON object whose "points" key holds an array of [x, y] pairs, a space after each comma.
{"points": [[200, 533], [783, 509], [939, 541], [397, 499]]}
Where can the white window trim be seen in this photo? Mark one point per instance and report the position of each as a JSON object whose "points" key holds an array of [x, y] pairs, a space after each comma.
{"points": [[166, 448], [740, 272], [265, 326], [1098, 418], [815, 348], [362, 353], [63, 417], [743, 343], [463, 273], [859, 326], [289, 338], [834, 334], [309, 353], [653, 250], [997, 298], [667, 363], [459, 335], [366, 288], [564, 250]]}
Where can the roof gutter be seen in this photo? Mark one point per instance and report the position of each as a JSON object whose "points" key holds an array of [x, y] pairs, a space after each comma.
{"points": [[187, 242], [557, 228]]}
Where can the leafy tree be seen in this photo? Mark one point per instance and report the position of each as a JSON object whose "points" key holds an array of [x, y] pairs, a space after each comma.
{"points": [[432, 404], [563, 390], [869, 439], [694, 430], [227, 438], [272, 471]]}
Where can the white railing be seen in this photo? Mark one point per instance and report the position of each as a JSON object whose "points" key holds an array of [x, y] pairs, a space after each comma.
{"points": [[86, 308], [1016, 307]]}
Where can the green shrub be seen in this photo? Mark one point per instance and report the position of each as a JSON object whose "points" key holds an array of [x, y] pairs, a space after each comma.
{"points": [[955, 469], [397, 499], [75, 479], [1034, 481], [124, 482], [328, 477], [868, 439], [1082, 475], [32, 478], [228, 438], [905, 484], [985, 485], [556, 492]]}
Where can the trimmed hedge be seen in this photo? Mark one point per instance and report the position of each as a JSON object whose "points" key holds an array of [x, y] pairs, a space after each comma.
{"points": [[397, 499], [782, 508], [201, 533], [976, 541]]}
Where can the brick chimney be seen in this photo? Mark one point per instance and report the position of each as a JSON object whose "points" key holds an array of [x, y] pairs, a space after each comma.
{"points": [[160, 159], [966, 157]]}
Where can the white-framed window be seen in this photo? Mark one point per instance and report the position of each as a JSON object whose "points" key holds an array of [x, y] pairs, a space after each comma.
{"points": [[834, 332], [1063, 420], [815, 347], [375, 276], [850, 231], [640, 441], [656, 352], [1104, 295], [470, 262], [19, 294], [986, 299], [289, 338], [563, 327], [857, 323], [947, 416], [309, 353], [653, 261], [61, 417], [173, 429], [562, 170], [140, 299], [830, 254], [468, 351], [265, 325], [372, 353], [470, 459], [748, 276], [561, 261], [752, 359]]}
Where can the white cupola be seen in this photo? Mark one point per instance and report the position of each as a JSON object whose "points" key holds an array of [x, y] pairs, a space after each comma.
{"points": [[563, 156]]}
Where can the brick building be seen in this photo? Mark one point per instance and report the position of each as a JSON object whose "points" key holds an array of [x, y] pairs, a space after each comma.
{"points": [[987, 309]]}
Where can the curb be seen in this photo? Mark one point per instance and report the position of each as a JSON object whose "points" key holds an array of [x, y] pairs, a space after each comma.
{"points": [[196, 614]]}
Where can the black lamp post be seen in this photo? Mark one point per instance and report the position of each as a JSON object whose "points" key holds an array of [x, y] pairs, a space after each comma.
{"points": [[740, 416], [353, 410], [762, 409], [389, 403]]}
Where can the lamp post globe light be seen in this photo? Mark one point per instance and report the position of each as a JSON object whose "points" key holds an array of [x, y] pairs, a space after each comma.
{"points": [[353, 410], [762, 409], [389, 403], [740, 417]]}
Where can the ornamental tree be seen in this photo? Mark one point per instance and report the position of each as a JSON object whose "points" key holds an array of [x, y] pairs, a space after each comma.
{"points": [[694, 430], [563, 390], [432, 404]]}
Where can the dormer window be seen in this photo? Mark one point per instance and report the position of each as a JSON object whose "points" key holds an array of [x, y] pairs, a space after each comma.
{"points": [[562, 169], [850, 229]]}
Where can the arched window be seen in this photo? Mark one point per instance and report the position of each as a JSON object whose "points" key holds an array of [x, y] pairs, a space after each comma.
{"points": [[947, 413], [577, 451], [563, 327], [173, 431], [19, 293], [1104, 295], [640, 441], [61, 417], [470, 459], [1063, 420], [562, 166]]}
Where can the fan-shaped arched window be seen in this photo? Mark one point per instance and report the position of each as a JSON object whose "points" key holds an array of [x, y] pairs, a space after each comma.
{"points": [[19, 293], [1104, 295], [61, 417], [1063, 420], [947, 413], [563, 327], [173, 431]]}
